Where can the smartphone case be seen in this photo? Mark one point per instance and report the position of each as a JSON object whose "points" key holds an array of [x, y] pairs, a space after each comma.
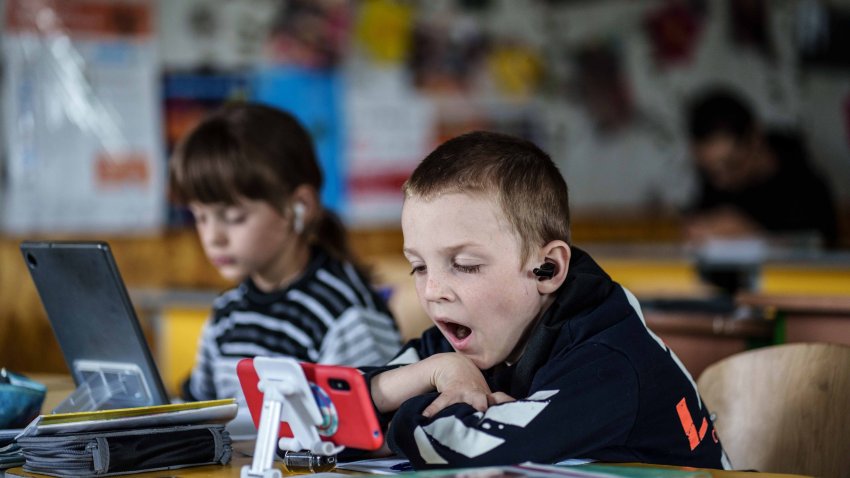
{"points": [[126, 451], [349, 417]]}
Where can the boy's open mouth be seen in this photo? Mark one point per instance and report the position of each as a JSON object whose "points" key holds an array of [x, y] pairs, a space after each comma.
{"points": [[459, 331]]}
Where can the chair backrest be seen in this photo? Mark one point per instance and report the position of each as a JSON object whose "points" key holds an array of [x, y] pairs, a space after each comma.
{"points": [[784, 408]]}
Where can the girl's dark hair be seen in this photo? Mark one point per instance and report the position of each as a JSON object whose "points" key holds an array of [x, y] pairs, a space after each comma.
{"points": [[257, 152]]}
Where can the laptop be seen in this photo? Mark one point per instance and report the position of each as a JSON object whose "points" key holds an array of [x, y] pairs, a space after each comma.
{"points": [[95, 324]]}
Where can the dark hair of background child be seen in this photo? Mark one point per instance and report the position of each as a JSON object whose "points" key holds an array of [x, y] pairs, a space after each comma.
{"points": [[257, 152]]}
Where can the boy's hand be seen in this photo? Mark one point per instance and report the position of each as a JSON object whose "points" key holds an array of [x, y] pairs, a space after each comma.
{"points": [[459, 380], [453, 375], [499, 397]]}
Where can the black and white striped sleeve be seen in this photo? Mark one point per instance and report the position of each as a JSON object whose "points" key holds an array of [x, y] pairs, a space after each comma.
{"points": [[360, 337]]}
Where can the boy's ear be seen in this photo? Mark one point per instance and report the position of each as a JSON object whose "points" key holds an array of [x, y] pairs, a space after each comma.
{"points": [[556, 253]]}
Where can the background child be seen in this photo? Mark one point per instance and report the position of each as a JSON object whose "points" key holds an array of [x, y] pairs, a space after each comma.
{"points": [[250, 177], [536, 353], [745, 173]]}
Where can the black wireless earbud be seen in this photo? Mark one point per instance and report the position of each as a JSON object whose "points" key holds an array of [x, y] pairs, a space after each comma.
{"points": [[545, 271]]}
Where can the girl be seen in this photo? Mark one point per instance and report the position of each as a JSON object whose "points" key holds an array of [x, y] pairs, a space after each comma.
{"points": [[249, 175]]}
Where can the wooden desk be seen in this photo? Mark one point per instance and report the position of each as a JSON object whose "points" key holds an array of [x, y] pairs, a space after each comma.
{"points": [[805, 317], [211, 471], [59, 386], [708, 472], [701, 338], [241, 458], [241, 449], [233, 470], [809, 297]]}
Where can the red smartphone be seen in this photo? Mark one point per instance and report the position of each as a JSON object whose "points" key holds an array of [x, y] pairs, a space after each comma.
{"points": [[343, 399]]}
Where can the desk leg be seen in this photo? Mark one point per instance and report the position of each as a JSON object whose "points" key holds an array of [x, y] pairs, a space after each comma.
{"points": [[780, 329]]}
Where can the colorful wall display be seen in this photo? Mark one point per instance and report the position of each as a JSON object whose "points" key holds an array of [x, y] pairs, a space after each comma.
{"points": [[81, 117]]}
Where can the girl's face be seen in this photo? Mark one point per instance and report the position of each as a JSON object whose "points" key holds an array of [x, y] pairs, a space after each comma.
{"points": [[249, 239], [469, 278]]}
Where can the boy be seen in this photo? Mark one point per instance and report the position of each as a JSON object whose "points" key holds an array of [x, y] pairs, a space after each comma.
{"points": [[745, 173], [536, 354]]}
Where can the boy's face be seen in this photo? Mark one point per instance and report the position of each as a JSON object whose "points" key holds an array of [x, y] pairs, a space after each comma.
{"points": [[469, 279], [726, 162], [250, 238]]}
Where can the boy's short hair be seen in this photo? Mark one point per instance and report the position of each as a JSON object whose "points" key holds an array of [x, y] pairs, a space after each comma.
{"points": [[720, 111], [528, 186]]}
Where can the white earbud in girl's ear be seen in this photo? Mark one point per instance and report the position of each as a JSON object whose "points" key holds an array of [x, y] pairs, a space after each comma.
{"points": [[298, 220]]}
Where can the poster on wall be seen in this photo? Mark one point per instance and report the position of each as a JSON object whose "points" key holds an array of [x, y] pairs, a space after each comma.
{"points": [[81, 118], [313, 96], [390, 129]]}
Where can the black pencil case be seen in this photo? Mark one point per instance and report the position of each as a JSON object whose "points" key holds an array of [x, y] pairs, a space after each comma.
{"points": [[126, 451]]}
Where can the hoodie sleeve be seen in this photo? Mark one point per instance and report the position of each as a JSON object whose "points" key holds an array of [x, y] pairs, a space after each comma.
{"points": [[578, 405]]}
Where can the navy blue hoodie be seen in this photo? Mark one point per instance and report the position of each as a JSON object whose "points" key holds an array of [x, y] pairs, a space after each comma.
{"points": [[593, 382]]}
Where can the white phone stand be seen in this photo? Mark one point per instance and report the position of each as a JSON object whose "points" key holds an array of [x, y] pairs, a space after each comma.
{"points": [[287, 397]]}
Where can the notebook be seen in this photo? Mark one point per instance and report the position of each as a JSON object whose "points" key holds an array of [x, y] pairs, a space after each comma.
{"points": [[95, 323], [157, 416]]}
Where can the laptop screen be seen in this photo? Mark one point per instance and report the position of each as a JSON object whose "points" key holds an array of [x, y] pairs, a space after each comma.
{"points": [[95, 323]]}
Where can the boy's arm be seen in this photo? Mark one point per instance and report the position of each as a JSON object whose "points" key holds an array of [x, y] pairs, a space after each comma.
{"points": [[453, 375], [430, 343], [586, 404]]}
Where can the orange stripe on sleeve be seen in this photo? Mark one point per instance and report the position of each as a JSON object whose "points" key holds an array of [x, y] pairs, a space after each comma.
{"points": [[688, 423]]}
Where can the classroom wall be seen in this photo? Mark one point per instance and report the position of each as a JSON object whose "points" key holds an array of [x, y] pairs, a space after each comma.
{"points": [[628, 174], [648, 147], [600, 85]]}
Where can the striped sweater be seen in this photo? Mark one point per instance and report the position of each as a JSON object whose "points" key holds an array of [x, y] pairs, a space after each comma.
{"points": [[329, 315]]}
